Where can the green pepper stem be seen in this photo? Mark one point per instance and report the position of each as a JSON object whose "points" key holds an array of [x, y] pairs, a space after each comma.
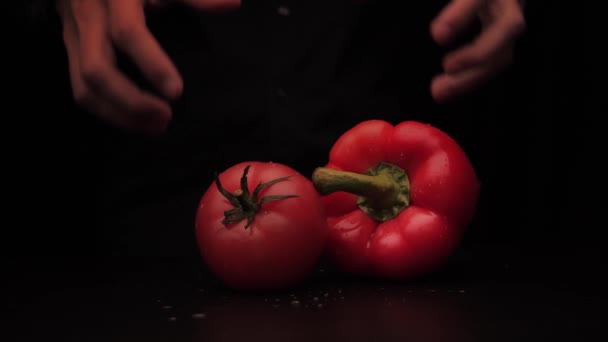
{"points": [[383, 190], [380, 187]]}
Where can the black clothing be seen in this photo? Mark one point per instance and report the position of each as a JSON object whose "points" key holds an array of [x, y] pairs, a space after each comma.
{"points": [[274, 81]]}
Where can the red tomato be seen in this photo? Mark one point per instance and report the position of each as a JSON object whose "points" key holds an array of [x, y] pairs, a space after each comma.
{"points": [[265, 240]]}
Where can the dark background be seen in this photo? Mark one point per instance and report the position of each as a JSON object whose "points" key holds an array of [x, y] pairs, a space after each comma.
{"points": [[96, 265], [538, 167]]}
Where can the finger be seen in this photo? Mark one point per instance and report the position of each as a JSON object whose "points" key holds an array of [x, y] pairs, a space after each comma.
{"points": [[128, 121], [92, 103], [446, 87], [496, 37], [453, 19], [101, 76], [129, 32], [132, 122], [70, 40]]}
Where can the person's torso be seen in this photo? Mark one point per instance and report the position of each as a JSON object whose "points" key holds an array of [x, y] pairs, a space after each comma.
{"points": [[274, 81]]}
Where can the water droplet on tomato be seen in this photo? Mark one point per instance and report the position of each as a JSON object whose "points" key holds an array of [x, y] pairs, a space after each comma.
{"points": [[199, 315], [295, 303], [172, 319]]}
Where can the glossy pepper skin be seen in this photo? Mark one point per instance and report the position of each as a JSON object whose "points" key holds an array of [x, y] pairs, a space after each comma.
{"points": [[423, 217]]}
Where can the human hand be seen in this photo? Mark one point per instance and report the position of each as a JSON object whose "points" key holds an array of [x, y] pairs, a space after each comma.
{"points": [[468, 67], [92, 30]]}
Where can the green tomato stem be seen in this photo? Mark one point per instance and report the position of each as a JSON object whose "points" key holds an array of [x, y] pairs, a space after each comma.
{"points": [[247, 205]]}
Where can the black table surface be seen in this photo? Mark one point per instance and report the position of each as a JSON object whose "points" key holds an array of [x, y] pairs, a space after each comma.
{"points": [[498, 294]]}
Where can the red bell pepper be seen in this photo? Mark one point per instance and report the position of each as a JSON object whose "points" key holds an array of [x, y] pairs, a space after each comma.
{"points": [[398, 198]]}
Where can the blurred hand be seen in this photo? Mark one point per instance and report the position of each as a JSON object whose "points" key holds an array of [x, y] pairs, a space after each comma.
{"points": [[92, 29], [472, 65]]}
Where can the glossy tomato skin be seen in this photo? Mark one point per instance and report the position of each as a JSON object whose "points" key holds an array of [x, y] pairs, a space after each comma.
{"points": [[282, 244]]}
